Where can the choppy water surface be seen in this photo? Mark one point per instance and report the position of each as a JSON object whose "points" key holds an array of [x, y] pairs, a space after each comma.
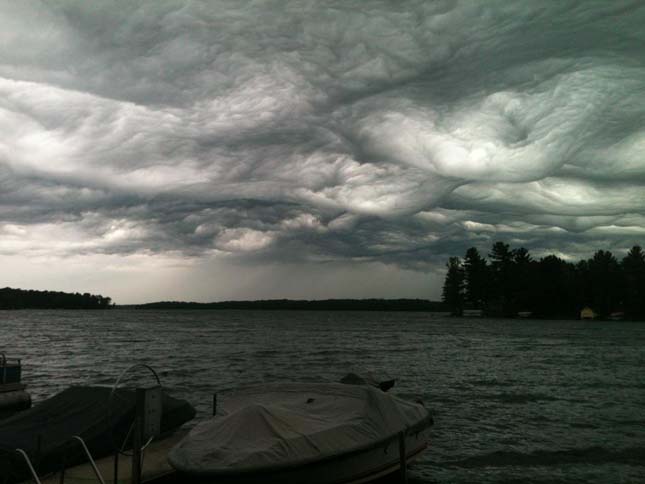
{"points": [[514, 401]]}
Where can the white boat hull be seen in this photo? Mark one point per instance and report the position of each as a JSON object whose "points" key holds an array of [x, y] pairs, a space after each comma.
{"points": [[356, 468]]}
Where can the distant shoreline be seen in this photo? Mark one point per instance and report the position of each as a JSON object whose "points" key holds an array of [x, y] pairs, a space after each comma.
{"points": [[411, 305], [15, 299]]}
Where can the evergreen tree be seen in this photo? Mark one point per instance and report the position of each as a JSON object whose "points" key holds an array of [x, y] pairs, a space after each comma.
{"points": [[604, 278], [501, 268], [475, 279], [553, 289], [582, 293], [453, 286], [522, 279], [633, 268]]}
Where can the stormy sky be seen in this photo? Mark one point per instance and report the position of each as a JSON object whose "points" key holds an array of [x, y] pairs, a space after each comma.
{"points": [[211, 150]]}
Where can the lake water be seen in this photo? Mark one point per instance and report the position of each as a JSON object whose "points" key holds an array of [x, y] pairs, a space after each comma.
{"points": [[514, 401]]}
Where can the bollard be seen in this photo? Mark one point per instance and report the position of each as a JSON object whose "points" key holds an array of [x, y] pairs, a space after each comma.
{"points": [[214, 404], [402, 458]]}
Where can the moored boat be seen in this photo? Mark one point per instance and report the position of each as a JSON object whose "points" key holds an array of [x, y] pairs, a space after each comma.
{"points": [[304, 433], [587, 313], [46, 433], [473, 313]]}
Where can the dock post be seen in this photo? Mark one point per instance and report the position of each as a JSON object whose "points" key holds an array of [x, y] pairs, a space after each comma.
{"points": [[116, 467], [214, 404], [403, 463], [137, 437], [39, 446], [61, 479]]}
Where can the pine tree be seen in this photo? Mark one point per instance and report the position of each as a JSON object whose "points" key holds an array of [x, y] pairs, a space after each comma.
{"points": [[605, 282], [554, 288], [522, 279], [453, 286], [633, 268], [501, 266], [475, 279]]}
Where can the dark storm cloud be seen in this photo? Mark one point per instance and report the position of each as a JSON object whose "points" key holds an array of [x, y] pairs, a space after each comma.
{"points": [[399, 132]]}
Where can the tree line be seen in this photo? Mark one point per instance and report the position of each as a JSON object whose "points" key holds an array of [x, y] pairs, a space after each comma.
{"points": [[510, 281], [306, 305], [30, 299]]}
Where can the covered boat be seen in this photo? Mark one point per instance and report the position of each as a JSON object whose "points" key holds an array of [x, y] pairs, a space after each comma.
{"points": [[45, 431], [304, 433]]}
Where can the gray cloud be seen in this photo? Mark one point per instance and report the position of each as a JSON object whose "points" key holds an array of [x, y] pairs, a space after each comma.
{"points": [[319, 133]]}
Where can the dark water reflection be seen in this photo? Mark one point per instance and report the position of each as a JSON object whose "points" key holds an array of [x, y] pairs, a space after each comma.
{"points": [[514, 401]]}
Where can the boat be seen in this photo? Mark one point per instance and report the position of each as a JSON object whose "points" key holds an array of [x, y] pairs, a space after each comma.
{"points": [[473, 313], [46, 432], [13, 394], [304, 433], [587, 313]]}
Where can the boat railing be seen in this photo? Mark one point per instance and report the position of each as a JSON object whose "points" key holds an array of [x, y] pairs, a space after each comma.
{"points": [[4, 361], [97, 473], [34, 475], [4, 365]]}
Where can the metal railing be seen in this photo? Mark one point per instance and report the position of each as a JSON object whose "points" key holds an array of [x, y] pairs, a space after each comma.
{"points": [[89, 456], [29, 465], [86, 450]]}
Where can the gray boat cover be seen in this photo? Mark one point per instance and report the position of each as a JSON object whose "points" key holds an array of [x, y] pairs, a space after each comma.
{"points": [[267, 428]]}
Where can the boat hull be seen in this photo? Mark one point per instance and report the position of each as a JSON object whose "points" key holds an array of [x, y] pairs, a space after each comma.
{"points": [[351, 468]]}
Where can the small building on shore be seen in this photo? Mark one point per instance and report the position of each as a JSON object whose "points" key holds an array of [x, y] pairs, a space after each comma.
{"points": [[587, 313]]}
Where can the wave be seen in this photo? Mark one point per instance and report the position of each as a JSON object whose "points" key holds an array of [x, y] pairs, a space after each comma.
{"points": [[521, 397], [584, 455], [492, 383]]}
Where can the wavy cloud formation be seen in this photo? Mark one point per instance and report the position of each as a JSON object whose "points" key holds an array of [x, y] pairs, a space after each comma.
{"points": [[318, 133]]}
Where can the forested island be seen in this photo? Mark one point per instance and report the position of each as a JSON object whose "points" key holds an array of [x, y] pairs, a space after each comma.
{"points": [[510, 283], [307, 305], [30, 299]]}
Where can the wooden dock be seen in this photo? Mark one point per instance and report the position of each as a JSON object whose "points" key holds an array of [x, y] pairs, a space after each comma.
{"points": [[155, 467]]}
